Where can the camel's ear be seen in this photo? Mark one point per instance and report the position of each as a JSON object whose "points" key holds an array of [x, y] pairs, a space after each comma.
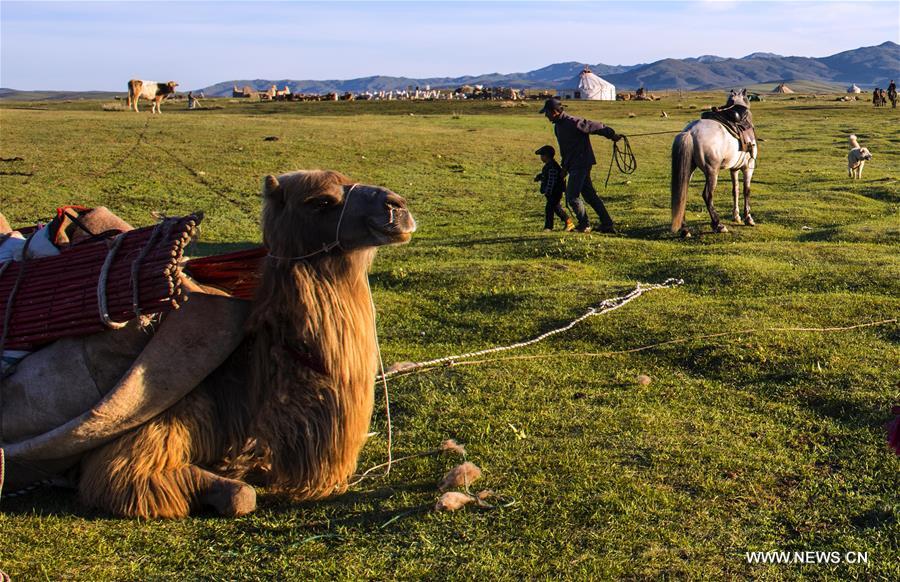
{"points": [[272, 189]]}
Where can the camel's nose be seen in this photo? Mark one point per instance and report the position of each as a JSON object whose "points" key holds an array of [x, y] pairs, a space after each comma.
{"points": [[395, 201]]}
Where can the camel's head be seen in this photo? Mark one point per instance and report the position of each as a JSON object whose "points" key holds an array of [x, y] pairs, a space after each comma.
{"points": [[308, 211]]}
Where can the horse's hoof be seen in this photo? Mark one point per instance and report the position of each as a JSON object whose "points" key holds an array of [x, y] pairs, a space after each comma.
{"points": [[736, 217], [749, 221], [720, 228], [685, 233]]}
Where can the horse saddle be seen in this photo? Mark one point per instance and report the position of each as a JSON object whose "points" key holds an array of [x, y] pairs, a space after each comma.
{"points": [[738, 121]]}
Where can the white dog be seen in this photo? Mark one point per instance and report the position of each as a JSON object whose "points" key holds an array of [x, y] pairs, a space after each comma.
{"points": [[856, 159]]}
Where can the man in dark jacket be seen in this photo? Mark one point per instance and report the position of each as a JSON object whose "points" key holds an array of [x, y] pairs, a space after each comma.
{"points": [[553, 184], [573, 135]]}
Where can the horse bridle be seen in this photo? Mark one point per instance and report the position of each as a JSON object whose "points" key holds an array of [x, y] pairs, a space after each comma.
{"points": [[326, 247]]}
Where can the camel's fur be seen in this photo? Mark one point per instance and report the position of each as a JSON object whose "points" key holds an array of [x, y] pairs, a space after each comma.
{"points": [[290, 408]]}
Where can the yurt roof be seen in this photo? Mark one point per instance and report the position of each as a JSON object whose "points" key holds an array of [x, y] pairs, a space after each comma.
{"points": [[586, 76]]}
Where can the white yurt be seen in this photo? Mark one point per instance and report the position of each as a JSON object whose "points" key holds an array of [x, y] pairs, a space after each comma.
{"points": [[853, 89], [591, 87]]}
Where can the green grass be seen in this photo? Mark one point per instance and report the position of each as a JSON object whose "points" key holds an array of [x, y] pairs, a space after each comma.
{"points": [[765, 441]]}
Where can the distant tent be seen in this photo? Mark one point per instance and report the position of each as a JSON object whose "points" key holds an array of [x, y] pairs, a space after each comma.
{"points": [[592, 87], [782, 88], [853, 89]]}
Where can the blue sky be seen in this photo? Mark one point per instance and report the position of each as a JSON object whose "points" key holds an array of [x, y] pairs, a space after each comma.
{"points": [[99, 45]]}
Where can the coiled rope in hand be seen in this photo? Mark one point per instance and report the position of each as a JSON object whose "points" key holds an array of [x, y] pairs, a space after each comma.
{"points": [[623, 158]]}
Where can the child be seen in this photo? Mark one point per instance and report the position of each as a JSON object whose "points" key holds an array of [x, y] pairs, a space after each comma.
{"points": [[553, 185]]}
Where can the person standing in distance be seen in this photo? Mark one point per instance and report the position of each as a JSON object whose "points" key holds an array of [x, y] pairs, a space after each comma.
{"points": [[573, 135]]}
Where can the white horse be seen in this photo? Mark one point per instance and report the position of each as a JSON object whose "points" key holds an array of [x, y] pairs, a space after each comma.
{"points": [[707, 145]]}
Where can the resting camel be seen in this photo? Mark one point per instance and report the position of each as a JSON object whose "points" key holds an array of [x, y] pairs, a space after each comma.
{"points": [[277, 392]]}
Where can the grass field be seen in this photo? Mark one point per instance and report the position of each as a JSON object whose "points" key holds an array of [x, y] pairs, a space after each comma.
{"points": [[750, 441]]}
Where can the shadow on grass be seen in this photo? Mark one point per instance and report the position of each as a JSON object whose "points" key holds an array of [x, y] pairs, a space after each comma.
{"points": [[877, 517], [847, 412], [347, 516], [658, 232], [500, 240], [880, 193], [826, 233], [59, 502], [49, 502]]}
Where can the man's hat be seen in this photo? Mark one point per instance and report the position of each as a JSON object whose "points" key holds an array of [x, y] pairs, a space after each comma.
{"points": [[552, 104], [546, 150]]}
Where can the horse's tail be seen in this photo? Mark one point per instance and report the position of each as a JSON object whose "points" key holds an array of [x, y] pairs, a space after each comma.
{"points": [[682, 166]]}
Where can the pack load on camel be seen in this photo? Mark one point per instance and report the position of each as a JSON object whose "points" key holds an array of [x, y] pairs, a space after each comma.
{"points": [[190, 407], [55, 288], [738, 120]]}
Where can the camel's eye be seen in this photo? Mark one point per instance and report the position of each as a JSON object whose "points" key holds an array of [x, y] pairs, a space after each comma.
{"points": [[322, 202]]}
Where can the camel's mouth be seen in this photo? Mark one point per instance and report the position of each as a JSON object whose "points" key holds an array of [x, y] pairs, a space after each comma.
{"points": [[397, 229]]}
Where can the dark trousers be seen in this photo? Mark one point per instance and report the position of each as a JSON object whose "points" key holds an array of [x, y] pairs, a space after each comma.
{"points": [[554, 207], [579, 185]]}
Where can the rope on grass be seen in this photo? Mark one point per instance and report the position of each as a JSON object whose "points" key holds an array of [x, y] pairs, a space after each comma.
{"points": [[605, 306], [660, 344]]}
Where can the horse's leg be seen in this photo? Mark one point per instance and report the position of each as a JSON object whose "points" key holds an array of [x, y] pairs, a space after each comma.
{"points": [[735, 213], [748, 175], [712, 177]]}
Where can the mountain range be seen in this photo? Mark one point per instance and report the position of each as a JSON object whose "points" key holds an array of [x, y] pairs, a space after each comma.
{"points": [[865, 66]]}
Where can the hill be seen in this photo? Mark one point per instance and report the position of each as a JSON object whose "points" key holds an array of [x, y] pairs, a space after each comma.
{"points": [[15, 95], [865, 66]]}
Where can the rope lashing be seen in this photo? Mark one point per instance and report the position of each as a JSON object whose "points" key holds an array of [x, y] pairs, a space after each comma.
{"points": [[101, 285], [136, 264]]}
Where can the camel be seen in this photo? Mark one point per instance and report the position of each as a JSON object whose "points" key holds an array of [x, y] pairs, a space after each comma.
{"points": [[224, 394]]}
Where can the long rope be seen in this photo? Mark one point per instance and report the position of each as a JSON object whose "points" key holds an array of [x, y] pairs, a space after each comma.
{"points": [[605, 306], [656, 133], [681, 340]]}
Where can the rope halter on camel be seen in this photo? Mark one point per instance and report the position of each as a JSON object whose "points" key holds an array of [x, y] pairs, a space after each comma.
{"points": [[326, 247]]}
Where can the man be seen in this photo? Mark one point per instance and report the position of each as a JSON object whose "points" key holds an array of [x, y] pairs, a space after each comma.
{"points": [[573, 135]]}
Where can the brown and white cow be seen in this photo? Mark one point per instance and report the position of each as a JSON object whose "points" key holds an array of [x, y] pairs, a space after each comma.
{"points": [[149, 90]]}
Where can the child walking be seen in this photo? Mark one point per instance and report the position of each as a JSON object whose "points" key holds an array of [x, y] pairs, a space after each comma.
{"points": [[553, 185]]}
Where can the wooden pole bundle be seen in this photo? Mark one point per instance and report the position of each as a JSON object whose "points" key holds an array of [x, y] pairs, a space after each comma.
{"points": [[59, 297], [237, 272]]}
